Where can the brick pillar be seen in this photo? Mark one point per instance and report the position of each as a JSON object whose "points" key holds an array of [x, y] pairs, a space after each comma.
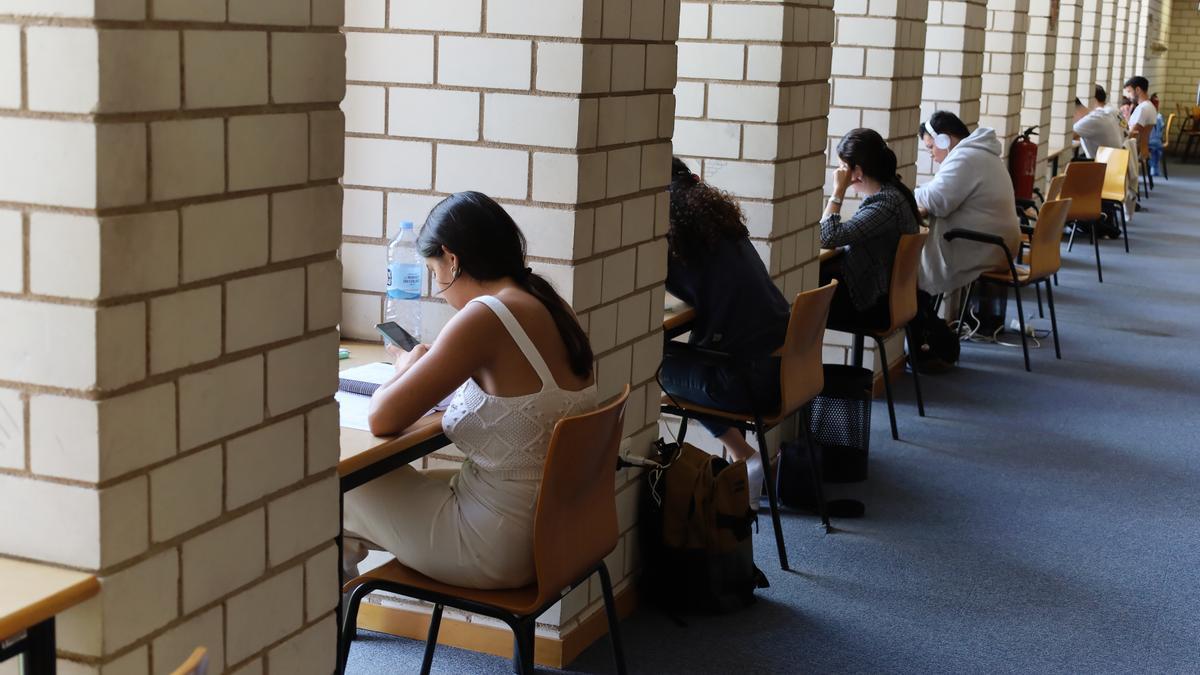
{"points": [[878, 57], [1089, 38], [753, 94], [169, 215], [1156, 28], [954, 41], [1040, 52], [1133, 19], [1066, 72], [1183, 56], [1003, 67], [1104, 46], [562, 111]]}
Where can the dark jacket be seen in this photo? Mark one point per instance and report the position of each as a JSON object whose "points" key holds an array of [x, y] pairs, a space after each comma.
{"points": [[873, 233], [739, 310]]}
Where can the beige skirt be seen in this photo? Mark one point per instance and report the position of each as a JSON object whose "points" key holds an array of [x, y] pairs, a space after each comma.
{"points": [[465, 527]]}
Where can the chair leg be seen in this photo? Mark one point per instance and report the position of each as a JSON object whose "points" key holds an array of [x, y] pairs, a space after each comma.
{"points": [[1053, 320], [887, 388], [772, 498], [1071, 240], [435, 623], [614, 622], [1162, 163], [1041, 313], [522, 646], [1056, 278], [962, 310], [1021, 322], [683, 420], [1124, 225], [818, 472], [1096, 245], [916, 376], [350, 623]]}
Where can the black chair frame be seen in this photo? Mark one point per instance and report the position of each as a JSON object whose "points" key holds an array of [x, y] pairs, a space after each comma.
{"points": [[760, 429], [522, 626], [1015, 284], [1091, 225]]}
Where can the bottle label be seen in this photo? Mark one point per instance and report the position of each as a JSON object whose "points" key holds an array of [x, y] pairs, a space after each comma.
{"points": [[404, 281]]}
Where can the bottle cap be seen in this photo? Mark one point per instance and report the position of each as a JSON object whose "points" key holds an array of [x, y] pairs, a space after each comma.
{"points": [[406, 225]]}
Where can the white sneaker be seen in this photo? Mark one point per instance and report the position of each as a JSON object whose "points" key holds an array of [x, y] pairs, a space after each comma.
{"points": [[754, 475]]}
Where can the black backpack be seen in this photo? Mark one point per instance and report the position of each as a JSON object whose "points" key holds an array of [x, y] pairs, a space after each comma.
{"points": [[697, 549]]}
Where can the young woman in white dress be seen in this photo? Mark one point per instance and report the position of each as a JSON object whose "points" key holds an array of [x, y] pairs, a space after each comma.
{"points": [[519, 361]]}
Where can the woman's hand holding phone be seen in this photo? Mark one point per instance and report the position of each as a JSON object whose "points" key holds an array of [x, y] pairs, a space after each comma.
{"points": [[406, 359]]}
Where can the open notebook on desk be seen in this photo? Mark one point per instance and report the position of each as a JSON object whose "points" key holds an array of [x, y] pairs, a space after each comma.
{"points": [[355, 386]]}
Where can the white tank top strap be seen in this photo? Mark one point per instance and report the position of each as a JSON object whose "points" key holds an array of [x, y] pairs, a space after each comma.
{"points": [[532, 355]]}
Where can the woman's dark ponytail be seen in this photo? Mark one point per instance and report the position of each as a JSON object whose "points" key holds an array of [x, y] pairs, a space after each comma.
{"points": [[866, 149], [490, 246], [579, 348]]}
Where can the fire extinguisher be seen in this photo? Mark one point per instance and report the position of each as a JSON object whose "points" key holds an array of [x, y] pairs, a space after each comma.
{"points": [[1022, 164]]}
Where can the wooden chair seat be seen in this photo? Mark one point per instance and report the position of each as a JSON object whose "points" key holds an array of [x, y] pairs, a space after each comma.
{"points": [[513, 600], [746, 417]]}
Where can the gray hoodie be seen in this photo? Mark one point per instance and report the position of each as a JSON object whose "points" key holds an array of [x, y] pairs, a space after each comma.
{"points": [[971, 190]]}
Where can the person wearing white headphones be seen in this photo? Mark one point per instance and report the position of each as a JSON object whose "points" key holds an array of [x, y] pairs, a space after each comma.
{"points": [[971, 190]]}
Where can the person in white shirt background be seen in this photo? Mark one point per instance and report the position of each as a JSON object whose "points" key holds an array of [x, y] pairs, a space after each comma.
{"points": [[1098, 126], [1144, 115]]}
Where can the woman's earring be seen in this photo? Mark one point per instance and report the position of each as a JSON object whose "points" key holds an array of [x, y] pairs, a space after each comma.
{"points": [[454, 272]]}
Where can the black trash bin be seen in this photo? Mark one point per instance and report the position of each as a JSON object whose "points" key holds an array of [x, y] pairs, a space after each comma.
{"points": [[841, 423]]}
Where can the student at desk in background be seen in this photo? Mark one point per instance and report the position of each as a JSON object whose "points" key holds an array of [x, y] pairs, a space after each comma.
{"points": [[519, 361], [712, 266], [872, 233]]}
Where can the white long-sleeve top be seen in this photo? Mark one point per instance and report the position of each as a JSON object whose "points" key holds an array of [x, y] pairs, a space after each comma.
{"points": [[971, 190]]}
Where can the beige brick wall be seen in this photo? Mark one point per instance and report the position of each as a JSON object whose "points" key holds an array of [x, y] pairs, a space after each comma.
{"points": [[954, 42], [563, 111], [752, 95], [1003, 68], [1155, 36], [1066, 74], [169, 218], [1040, 53], [1089, 36], [1183, 55], [1104, 44]]}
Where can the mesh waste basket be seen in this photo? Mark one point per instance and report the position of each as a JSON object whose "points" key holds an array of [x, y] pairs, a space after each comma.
{"points": [[841, 423]]}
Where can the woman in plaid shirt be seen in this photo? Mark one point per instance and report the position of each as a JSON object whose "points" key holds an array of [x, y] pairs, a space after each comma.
{"points": [[871, 235]]}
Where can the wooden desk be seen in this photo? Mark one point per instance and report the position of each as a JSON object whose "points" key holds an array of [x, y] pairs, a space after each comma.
{"points": [[31, 595], [678, 317], [364, 456]]}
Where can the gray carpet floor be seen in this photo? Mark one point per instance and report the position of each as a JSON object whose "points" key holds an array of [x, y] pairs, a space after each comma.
{"points": [[1038, 522]]}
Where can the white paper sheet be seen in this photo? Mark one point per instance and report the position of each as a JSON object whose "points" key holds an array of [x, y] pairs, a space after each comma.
{"points": [[353, 408]]}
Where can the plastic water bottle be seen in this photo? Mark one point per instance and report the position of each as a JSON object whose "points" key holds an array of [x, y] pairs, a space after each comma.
{"points": [[404, 270]]}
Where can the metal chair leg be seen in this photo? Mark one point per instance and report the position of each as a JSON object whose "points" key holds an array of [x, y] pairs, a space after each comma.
{"points": [[962, 310], [887, 387], [916, 376], [1124, 225], [772, 499], [1021, 321], [818, 472], [435, 623], [1041, 313], [350, 623], [522, 646], [1096, 245], [614, 622], [1053, 320]]}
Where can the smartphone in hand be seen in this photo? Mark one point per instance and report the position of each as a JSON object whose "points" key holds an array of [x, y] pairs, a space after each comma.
{"points": [[396, 335]]}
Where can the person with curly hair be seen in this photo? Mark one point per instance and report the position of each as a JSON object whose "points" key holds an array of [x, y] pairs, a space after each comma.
{"points": [[713, 266]]}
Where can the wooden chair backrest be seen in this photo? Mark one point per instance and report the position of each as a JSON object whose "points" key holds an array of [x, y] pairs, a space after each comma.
{"points": [[801, 375], [196, 664], [575, 524], [1116, 162], [1046, 243], [902, 291], [1143, 143], [1084, 183], [1055, 188], [1167, 131]]}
